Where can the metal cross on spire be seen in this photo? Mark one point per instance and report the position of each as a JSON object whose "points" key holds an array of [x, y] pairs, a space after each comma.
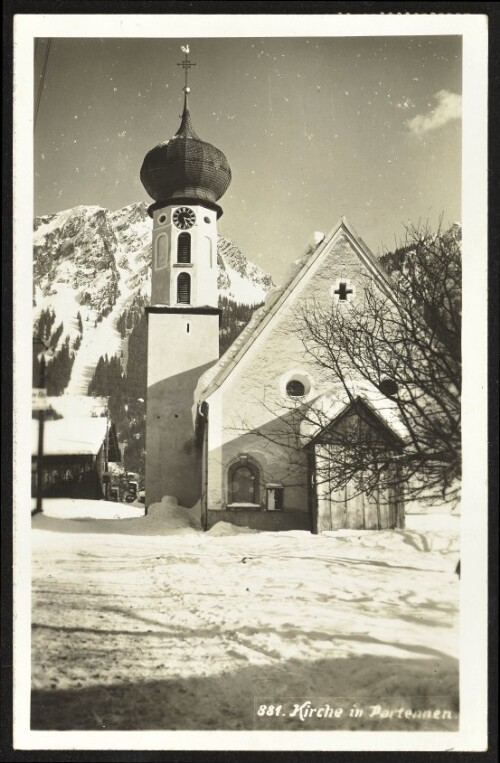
{"points": [[186, 65]]}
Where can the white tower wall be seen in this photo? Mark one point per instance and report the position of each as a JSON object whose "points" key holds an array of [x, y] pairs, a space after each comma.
{"points": [[182, 345], [203, 266]]}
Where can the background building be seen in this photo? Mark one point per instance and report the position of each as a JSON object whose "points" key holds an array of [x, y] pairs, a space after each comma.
{"points": [[76, 452]]}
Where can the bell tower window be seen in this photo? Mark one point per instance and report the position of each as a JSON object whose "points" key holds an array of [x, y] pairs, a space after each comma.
{"points": [[184, 289], [184, 248]]}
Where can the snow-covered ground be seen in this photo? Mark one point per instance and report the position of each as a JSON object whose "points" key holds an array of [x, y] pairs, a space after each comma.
{"points": [[149, 623], [83, 508]]}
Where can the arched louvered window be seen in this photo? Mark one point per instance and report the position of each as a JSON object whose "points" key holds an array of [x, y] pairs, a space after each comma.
{"points": [[184, 289], [184, 248]]}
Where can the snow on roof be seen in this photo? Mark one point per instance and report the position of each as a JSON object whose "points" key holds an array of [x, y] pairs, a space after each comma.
{"points": [[214, 376], [71, 436], [328, 407], [74, 406]]}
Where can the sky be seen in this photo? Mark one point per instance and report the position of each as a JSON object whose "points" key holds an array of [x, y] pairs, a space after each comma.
{"points": [[313, 128]]}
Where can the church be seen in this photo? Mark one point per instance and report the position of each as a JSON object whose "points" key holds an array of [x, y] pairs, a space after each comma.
{"points": [[226, 432]]}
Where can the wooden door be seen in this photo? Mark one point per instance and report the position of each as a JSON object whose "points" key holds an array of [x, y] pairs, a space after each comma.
{"points": [[243, 485], [348, 508]]}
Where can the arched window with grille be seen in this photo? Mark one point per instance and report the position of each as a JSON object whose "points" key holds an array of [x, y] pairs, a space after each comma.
{"points": [[243, 483], [184, 289], [184, 248]]}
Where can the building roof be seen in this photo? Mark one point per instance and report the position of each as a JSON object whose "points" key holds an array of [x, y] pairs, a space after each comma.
{"points": [[215, 376], [77, 436], [328, 410], [73, 406], [185, 167]]}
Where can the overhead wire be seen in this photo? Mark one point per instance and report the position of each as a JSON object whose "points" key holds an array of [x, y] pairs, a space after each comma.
{"points": [[41, 78]]}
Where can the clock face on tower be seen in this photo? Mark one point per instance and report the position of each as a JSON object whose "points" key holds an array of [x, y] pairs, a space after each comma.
{"points": [[184, 218]]}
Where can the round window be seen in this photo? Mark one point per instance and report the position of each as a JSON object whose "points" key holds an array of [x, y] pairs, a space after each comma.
{"points": [[388, 387], [162, 218], [295, 388]]}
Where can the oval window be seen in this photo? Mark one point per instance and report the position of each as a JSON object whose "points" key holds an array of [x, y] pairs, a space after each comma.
{"points": [[388, 387], [295, 388], [162, 218]]}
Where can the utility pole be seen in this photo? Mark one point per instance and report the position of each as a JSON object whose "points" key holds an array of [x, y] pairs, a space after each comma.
{"points": [[106, 457], [39, 403]]}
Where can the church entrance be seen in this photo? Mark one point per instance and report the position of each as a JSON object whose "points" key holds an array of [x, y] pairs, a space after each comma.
{"points": [[350, 507]]}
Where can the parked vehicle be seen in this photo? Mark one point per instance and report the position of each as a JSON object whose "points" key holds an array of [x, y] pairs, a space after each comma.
{"points": [[132, 491]]}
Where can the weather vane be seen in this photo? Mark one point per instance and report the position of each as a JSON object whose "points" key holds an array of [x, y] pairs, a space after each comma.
{"points": [[186, 65]]}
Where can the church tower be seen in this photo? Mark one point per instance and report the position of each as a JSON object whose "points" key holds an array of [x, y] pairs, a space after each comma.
{"points": [[186, 177]]}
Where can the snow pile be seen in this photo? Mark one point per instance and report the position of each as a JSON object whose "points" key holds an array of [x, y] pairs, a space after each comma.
{"points": [[170, 518], [162, 519], [221, 529]]}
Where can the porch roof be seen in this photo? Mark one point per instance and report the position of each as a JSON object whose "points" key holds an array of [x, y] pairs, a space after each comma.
{"points": [[328, 410]]}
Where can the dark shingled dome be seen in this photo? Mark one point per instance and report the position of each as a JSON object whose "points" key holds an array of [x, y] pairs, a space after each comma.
{"points": [[185, 167]]}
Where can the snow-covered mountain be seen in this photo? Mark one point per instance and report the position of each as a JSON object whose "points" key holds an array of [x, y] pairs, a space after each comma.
{"points": [[91, 264], [238, 278]]}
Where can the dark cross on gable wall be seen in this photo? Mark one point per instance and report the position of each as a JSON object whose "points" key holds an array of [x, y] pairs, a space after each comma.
{"points": [[342, 292]]}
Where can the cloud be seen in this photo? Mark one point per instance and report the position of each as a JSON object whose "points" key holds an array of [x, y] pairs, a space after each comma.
{"points": [[449, 107]]}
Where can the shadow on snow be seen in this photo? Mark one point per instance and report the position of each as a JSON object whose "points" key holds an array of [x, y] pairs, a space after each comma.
{"points": [[228, 699]]}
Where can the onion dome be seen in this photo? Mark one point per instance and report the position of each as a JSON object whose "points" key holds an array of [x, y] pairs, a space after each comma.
{"points": [[185, 168]]}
